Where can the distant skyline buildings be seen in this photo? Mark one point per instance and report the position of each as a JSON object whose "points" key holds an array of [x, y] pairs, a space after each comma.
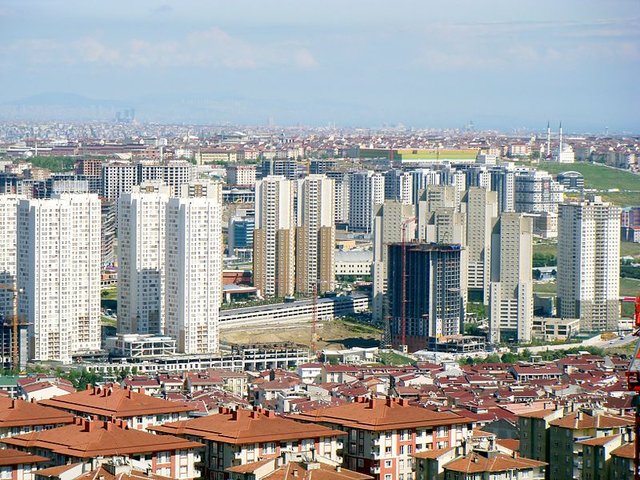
{"points": [[270, 67]]}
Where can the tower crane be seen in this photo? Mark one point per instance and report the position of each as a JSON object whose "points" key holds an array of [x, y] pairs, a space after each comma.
{"points": [[633, 379]]}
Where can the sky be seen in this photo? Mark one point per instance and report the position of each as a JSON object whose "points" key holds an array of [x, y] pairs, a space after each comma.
{"points": [[502, 64]]}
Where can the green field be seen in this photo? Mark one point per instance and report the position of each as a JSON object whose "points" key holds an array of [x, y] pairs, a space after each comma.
{"points": [[393, 358], [596, 176], [629, 287], [630, 249]]}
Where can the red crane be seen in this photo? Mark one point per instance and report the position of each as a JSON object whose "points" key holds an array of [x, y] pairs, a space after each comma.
{"points": [[633, 378], [403, 325]]}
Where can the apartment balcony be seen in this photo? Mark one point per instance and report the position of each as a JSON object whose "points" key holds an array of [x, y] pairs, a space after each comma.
{"points": [[375, 454], [375, 469]]}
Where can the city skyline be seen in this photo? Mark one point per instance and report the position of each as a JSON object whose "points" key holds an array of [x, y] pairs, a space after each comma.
{"points": [[430, 65]]}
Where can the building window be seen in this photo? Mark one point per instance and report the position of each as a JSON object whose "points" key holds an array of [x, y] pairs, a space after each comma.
{"points": [[387, 463]]}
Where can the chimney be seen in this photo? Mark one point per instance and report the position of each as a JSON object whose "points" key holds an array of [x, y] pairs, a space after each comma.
{"points": [[89, 386], [338, 469], [295, 473], [141, 390], [13, 403], [371, 402], [389, 401]]}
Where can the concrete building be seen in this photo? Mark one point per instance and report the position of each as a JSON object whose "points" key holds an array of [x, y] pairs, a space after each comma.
{"points": [[241, 236], [194, 267], [59, 272], [118, 178], [241, 437], [8, 252], [284, 167], [398, 185], [387, 229], [422, 177], [511, 287], [274, 237], [141, 259], [341, 195], [174, 173], [537, 192], [315, 236], [366, 191], [480, 206], [241, 175], [384, 434], [432, 304], [589, 263]]}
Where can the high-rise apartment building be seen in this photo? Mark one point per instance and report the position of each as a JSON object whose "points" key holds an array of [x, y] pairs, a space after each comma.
{"points": [[193, 279], [589, 263], [274, 237], [511, 287], [423, 177], [8, 252], [59, 272], [118, 178], [391, 218], [424, 292], [366, 191], [480, 206], [315, 235], [141, 259], [341, 195], [537, 192], [398, 185], [174, 174]]}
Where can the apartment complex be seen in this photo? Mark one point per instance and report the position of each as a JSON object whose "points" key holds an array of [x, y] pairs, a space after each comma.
{"points": [[366, 191], [511, 287], [194, 267], [59, 274], [384, 434], [8, 252], [241, 437], [141, 259], [589, 263], [315, 235], [274, 237], [480, 206]]}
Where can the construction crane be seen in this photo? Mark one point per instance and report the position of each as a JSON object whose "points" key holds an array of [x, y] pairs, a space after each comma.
{"points": [[633, 379], [15, 324], [403, 324]]}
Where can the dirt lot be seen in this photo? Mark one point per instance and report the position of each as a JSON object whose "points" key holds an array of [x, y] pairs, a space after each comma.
{"points": [[336, 334]]}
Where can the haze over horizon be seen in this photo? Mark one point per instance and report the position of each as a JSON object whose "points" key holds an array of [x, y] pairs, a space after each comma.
{"points": [[437, 64]]}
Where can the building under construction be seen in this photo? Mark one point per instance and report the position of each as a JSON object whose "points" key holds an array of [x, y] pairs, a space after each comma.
{"points": [[424, 298]]}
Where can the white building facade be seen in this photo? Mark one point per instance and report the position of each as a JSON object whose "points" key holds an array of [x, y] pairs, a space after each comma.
{"points": [[59, 273]]}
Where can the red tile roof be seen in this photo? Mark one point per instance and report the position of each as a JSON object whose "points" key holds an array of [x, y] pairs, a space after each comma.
{"points": [[381, 414], [114, 402], [475, 463], [88, 439], [240, 427], [18, 413], [9, 456]]}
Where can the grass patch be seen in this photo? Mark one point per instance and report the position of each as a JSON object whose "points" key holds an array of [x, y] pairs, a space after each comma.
{"points": [[629, 287], [393, 358], [545, 287], [546, 248], [107, 321], [597, 176], [358, 327], [110, 293], [630, 249]]}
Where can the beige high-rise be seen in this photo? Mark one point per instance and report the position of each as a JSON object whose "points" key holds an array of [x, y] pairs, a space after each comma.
{"points": [[511, 287], [589, 263], [481, 208], [315, 235], [274, 237]]}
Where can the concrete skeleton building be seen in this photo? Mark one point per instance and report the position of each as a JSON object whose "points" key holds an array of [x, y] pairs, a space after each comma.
{"points": [[589, 263], [274, 237], [59, 273], [194, 267], [511, 286], [433, 302], [8, 252], [387, 229]]}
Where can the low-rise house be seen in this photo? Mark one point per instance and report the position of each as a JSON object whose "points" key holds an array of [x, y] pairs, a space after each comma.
{"points": [[18, 416], [385, 433], [91, 442], [494, 466], [41, 388], [107, 402], [239, 437], [17, 465]]}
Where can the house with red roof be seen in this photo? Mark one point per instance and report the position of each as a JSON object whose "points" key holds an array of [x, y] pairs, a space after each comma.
{"points": [[18, 416]]}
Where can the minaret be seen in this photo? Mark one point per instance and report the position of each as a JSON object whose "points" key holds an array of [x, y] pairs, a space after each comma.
{"points": [[548, 152], [560, 145]]}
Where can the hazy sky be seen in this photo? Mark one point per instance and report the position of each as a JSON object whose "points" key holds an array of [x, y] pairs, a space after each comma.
{"points": [[423, 63]]}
